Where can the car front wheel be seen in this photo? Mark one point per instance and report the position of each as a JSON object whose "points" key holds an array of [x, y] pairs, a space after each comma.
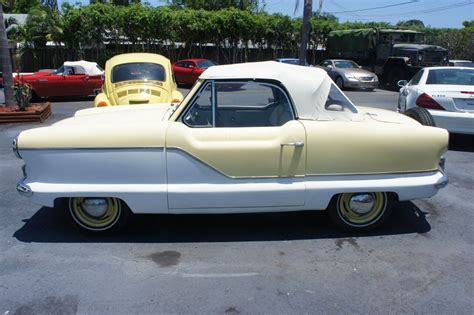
{"points": [[361, 211], [98, 215]]}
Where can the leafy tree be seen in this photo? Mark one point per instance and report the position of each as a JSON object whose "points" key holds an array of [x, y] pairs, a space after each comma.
{"points": [[51, 4], [215, 5], [468, 24], [20, 6], [411, 24]]}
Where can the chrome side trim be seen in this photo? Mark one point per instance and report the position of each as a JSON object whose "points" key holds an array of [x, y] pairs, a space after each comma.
{"points": [[23, 188], [322, 176], [94, 148], [222, 173]]}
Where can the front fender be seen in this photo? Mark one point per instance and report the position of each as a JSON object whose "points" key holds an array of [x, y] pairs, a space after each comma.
{"points": [[101, 100]]}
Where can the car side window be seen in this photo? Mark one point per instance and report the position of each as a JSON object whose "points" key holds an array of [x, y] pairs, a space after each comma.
{"points": [[338, 102], [416, 78], [200, 114], [180, 64], [239, 104], [251, 104]]}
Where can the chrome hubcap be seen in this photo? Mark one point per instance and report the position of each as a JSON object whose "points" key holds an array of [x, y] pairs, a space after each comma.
{"points": [[95, 207], [362, 203]]}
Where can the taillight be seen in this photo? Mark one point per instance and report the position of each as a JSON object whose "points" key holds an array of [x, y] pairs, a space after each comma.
{"points": [[426, 101], [467, 92], [176, 100], [102, 104]]}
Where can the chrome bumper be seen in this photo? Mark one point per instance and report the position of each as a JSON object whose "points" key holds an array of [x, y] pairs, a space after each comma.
{"points": [[23, 188], [443, 181]]}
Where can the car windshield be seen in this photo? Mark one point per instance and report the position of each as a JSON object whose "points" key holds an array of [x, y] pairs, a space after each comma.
{"points": [[345, 64], [205, 64], [138, 71], [451, 76], [468, 64], [60, 70]]}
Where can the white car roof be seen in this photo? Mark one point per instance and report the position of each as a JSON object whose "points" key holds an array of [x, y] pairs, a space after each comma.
{"points": [[91, 68], [307, 86], [447, 67]]}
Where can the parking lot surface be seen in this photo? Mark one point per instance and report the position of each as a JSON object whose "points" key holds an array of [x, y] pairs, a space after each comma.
{"points": [[421, 261]]}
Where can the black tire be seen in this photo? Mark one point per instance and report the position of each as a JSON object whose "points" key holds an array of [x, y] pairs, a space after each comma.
{"points": [[370, 89], [357, 217], [113, 219], [340, 82], [421, 115]]}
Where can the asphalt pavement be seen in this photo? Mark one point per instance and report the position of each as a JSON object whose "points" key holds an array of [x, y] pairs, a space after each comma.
{"points": [[421, 261]]}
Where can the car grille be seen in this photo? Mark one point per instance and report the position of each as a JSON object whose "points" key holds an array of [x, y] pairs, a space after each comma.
{"points": [[366, 79]]}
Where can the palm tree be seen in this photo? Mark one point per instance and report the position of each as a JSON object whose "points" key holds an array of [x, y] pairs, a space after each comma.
{"points": [[6, 63], [305, 28]]}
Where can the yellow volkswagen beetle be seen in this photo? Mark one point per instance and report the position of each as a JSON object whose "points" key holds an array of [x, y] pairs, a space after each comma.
{"points": [[138, 78]]}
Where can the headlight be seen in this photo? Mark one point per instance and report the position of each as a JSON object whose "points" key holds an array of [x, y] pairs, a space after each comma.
{"points": [[376, 78], [15, 147]]}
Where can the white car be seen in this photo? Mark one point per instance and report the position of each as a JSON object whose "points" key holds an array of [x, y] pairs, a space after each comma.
{"points": [[441, 97]]}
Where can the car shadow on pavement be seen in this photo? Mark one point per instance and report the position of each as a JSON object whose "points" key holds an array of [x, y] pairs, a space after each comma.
{"points": [[459, 142], [68, 99], [50, 225]]}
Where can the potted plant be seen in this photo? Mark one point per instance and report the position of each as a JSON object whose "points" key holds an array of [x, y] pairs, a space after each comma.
{"points": [[25, 111]]}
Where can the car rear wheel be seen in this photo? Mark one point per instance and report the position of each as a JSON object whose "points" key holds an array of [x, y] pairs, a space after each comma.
{"points": [[421, 115], [361, 211], [98, 215], [340, 82]]}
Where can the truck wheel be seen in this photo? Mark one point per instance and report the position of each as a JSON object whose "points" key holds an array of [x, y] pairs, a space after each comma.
{"points": [[361, 212], [421, 115], [98, 215], [340, 82]]}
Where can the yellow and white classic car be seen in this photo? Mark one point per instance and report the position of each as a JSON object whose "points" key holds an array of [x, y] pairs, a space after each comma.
{"points": [[138, 78], [253, 137]]}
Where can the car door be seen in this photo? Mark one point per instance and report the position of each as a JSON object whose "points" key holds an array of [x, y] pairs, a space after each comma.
{"points": [[64, 83], [236, 146], [76, 82], [195, 72], [182, 71]]}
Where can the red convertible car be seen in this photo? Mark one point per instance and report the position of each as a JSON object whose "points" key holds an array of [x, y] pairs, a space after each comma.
{"points": [[73, 78], [187, 71]]}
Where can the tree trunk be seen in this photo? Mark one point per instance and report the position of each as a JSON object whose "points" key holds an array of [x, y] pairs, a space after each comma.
{"points": [[6, 63], [305, 27]]}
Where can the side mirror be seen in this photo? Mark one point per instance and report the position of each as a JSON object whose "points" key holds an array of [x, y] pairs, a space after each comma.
{"points": [[402, 83], [329, 66], [192, 67]]}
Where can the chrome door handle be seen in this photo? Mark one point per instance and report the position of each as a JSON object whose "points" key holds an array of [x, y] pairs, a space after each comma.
{"points": [[293, 144]]}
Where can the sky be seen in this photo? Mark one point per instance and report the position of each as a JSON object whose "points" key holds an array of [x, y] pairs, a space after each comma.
{"points": [[434, 13]]}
